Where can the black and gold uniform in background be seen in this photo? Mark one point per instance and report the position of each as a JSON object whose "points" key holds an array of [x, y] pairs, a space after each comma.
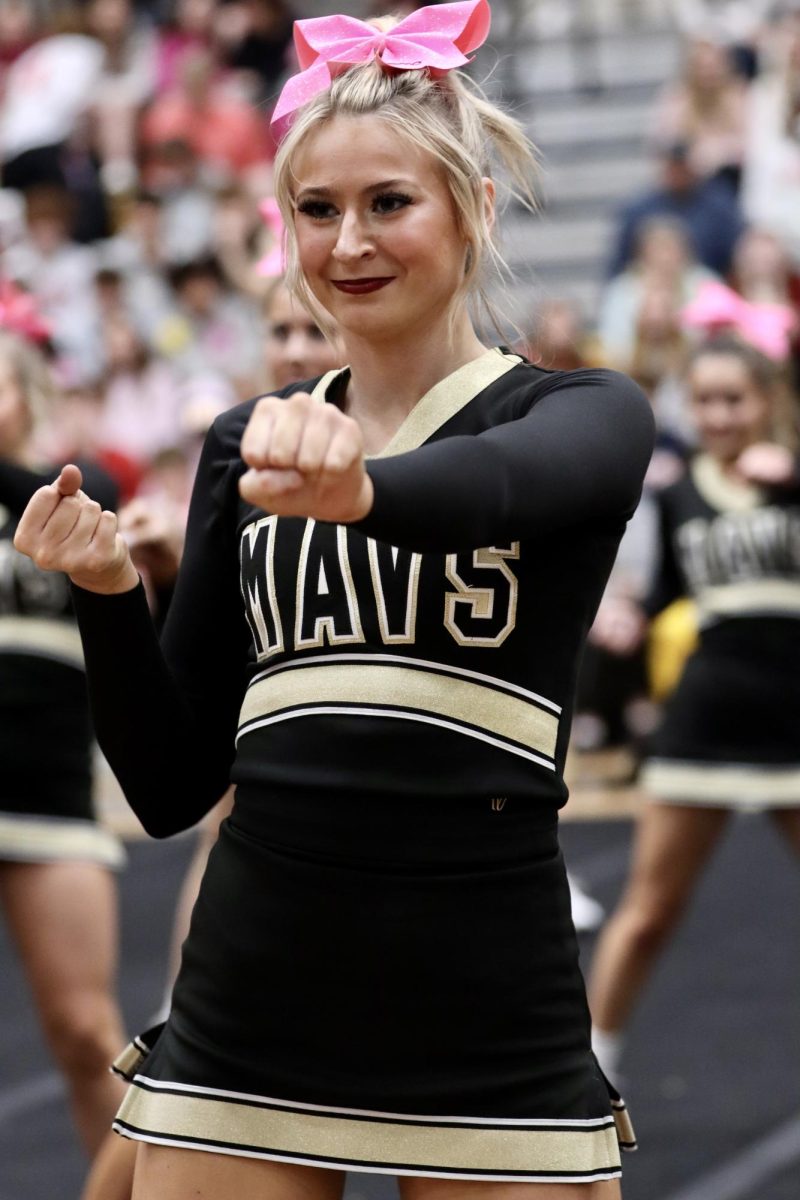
{"points": [[381, 972], [46, 809], [731, 731]]}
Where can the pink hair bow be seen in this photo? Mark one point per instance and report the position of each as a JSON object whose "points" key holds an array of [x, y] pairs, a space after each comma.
{"points": [[766, 326], [274, 261], [18, 314], [437, 37]]}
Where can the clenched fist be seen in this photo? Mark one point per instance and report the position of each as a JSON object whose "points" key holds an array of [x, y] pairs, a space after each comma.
{"points": [[62, 529], [306, 460]]}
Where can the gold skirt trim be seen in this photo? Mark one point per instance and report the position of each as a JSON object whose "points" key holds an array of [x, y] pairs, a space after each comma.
{"points": [[51, 839], [533, 1151], [744, 787]]}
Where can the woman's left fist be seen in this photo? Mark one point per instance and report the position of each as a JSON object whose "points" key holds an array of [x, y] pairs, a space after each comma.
{"points": [[306, 460]]}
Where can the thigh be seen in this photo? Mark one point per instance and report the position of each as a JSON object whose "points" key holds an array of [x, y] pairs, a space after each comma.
{"points": [[457, 1189], [169, 1173], [672, 843], [63, 918]]}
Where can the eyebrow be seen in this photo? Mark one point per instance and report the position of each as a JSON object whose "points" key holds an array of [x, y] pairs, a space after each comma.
{"points": [[383, 186]]}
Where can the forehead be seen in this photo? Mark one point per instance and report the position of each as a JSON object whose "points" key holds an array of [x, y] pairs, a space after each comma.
{"points": [[283, 309], [358, 151], [720, 371]]}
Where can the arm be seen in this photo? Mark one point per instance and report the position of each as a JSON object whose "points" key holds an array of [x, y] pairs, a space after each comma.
{"points": [[166, 719], [577, 456]]}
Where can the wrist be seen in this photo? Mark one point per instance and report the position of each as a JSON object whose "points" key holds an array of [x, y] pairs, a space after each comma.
{"points": [[364, 502], [124, 580]]}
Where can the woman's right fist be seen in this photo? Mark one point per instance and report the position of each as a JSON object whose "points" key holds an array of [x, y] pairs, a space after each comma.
{"points": [[62, 529]]}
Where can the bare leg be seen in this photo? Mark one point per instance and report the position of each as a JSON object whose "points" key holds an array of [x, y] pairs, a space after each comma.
{"points": [[63, 919], [111, 1176], [458, 1189], [788, 822], [168, 1173], [672, 846]]}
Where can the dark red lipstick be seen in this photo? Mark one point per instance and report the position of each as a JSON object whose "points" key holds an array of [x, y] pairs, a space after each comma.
{"points": [[361, 287]]}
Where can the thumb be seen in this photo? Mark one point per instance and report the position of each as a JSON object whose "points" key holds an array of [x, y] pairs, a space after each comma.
{"points": [[69, 481]]}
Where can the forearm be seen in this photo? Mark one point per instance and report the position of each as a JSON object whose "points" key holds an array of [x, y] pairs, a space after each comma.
{"points": [[157, 748]]}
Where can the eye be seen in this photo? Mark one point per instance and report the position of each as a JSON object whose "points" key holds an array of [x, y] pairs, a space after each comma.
{"points": [[315, 333], [390, 202], [317, 210], [280, 333]]}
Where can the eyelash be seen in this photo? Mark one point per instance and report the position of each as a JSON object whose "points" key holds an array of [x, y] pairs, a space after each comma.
{"points": [[321, 210]]}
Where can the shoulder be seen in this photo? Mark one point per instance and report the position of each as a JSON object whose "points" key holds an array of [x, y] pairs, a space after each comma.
{"points": [[595, 389]]}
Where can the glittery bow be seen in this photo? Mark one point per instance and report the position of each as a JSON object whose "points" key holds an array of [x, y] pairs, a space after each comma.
{"points": [[273, 263], [438, 38], [18, 314], [766, 326]]}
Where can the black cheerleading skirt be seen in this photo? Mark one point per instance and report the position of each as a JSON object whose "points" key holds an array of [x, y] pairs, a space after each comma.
{"points": [[730, 736], [46, 810], [385, 986]]}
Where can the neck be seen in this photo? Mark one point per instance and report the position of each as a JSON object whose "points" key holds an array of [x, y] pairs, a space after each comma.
{"points": [[388, 378]]}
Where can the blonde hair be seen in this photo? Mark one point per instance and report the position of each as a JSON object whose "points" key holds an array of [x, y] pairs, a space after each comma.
{"points": [[31, 373], [451, 120]]}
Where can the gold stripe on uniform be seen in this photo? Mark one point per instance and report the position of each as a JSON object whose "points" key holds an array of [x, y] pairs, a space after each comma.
{"points": [[384, 686], [407, 1147], [727, 785], [721, 490], [442, 402], [751, 595], [42, 636], [43, 839]]}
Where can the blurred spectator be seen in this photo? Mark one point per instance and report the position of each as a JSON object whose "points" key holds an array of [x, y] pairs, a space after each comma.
{"points": [[19, 27], [663, 261], [142, 410], [60, 274], [225, 132], [706, 110], [126, 82], [34, 134], [707, 208], [257, 35], [214, 329], [558, 339], [189, 28], [771, 182], [761, 270], [173, 173]]}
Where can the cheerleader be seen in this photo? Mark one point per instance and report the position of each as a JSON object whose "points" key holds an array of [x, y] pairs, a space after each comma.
{"points": [[56, 863], [730, 540], [388, 578]]}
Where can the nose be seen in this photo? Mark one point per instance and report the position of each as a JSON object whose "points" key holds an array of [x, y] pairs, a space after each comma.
{"points": [[353, 243]]}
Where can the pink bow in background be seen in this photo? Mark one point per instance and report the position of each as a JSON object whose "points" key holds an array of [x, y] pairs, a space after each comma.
{"points": [[273, 263], [768, 327], [438, 38], [18, 314]]}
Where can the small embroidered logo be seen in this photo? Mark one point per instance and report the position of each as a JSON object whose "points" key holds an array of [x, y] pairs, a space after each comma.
{"points": [[499, 803]]}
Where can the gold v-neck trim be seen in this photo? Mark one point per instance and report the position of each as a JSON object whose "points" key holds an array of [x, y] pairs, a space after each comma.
{"points": [[443, 401], [720, 490]]}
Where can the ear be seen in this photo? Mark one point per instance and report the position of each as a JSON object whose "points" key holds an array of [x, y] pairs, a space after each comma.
{"points": [[489, 197]]}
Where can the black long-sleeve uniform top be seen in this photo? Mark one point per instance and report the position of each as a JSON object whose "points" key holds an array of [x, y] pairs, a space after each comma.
{"points": [[734, 548], [430, 648]]}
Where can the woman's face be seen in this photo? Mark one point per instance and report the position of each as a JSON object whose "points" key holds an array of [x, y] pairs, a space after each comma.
{"points": [[296, 348], [377, 234], [15, 418], [728, 409]]}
